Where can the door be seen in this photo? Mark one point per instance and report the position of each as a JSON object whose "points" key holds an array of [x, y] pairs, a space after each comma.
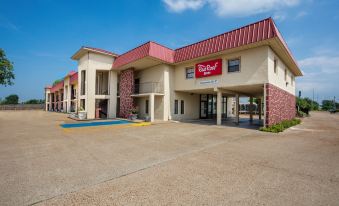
{"points": [[203, 106]]}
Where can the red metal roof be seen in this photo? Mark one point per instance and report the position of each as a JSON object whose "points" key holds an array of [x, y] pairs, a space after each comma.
{"points": [[70, 73], [252, 33], [57, 86], [151, 49], [249, 34], [74, 78]]}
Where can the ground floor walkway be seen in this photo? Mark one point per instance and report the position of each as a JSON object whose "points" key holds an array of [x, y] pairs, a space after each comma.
{"points": [[166, 163]]}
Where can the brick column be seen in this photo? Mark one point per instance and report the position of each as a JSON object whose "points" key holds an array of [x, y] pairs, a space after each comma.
{"points": [[280, 105], [126, 89]]}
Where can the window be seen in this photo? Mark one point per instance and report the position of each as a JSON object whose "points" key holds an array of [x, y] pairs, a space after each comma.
{"points": [[285, 74], [83, 80], [175, 106], [275, 66], [146, 107], [182, 107], [189, 73], [234, 65], [82, 104], [292, 80]]}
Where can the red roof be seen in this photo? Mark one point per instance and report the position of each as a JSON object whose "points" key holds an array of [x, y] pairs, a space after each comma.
{"points": [[249, 34], [70, 73], [57, 86], [252, 33], [151, 49], [74, 78]]}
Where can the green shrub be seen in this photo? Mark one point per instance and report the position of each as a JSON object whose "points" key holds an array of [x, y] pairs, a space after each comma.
{"points": [[281, 126]]}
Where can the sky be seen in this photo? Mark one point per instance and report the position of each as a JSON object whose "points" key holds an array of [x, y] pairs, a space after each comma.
{"points": [[40, 36]]}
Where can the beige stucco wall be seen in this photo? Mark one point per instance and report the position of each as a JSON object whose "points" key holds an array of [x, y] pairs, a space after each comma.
{"points": [[158, 107], [278, 79], [91, 62], [192, 106], [253, 70], [160, 74]]}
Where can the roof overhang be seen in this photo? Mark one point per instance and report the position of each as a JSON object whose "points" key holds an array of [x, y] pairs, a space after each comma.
{"points": [[283, 52], [84, 50]]}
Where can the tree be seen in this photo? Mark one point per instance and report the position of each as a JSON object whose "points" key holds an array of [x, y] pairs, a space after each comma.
{"points": [[329, 104], [306, 104], [6, 70], [11, 99]]}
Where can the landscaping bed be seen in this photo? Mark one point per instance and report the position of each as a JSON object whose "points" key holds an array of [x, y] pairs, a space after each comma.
{"points": [[281, 126]]}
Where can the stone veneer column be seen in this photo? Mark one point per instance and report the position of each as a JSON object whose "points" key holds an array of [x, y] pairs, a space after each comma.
{"points": [[280, 105], [126, 89]]}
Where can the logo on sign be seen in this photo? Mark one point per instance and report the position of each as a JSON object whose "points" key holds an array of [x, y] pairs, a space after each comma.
{"points": [[209, 68]]}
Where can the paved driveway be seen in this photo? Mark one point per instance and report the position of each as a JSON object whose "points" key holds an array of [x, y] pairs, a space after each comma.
{"points": [[167, 163]]}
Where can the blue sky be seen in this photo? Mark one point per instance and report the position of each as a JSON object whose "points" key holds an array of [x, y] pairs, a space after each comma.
{"points": [[40, 36]]}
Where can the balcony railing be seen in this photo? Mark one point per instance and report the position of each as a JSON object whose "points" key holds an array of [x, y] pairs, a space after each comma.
{"points": [[149, 87]]}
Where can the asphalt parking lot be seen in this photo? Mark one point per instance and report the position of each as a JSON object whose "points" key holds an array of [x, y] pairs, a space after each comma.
{"points": [[166, 163]]}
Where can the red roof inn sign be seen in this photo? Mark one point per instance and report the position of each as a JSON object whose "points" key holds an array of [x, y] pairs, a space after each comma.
{"points": [[208, 68]]}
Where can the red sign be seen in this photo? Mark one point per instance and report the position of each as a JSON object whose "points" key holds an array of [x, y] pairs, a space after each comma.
{"points": [[209, 68]]}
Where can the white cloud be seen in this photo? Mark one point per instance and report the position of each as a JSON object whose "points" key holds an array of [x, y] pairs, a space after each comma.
{"points": [[181, 5], [4, 23], [248, 7], [231, 7], [301, 14], [320, 74], [323, 64], [279, 16]]}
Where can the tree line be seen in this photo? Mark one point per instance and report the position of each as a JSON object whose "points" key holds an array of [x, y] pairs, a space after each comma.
{"points": [[306, 104], [14, 99]]}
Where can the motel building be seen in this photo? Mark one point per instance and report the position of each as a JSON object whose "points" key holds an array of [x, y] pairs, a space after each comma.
{"points": [[203, 80]]}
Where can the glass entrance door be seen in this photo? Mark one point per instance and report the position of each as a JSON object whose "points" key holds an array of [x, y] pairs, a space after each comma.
{"points": [[208, 106]]}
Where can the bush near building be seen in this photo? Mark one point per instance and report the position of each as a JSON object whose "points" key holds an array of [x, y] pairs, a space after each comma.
{"points": [[281, 126]]}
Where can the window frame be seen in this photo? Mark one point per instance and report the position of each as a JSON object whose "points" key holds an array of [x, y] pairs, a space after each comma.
{"points": [[232, 59], [146, 106], [176, 106], [182, 107], [186, 73], [275, 66]]}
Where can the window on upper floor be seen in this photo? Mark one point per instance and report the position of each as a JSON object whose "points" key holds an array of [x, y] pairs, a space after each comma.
{"points": [[285, 74], [234, 65], [292, 80], [275, 66], [83, 82], [189, 72]]}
